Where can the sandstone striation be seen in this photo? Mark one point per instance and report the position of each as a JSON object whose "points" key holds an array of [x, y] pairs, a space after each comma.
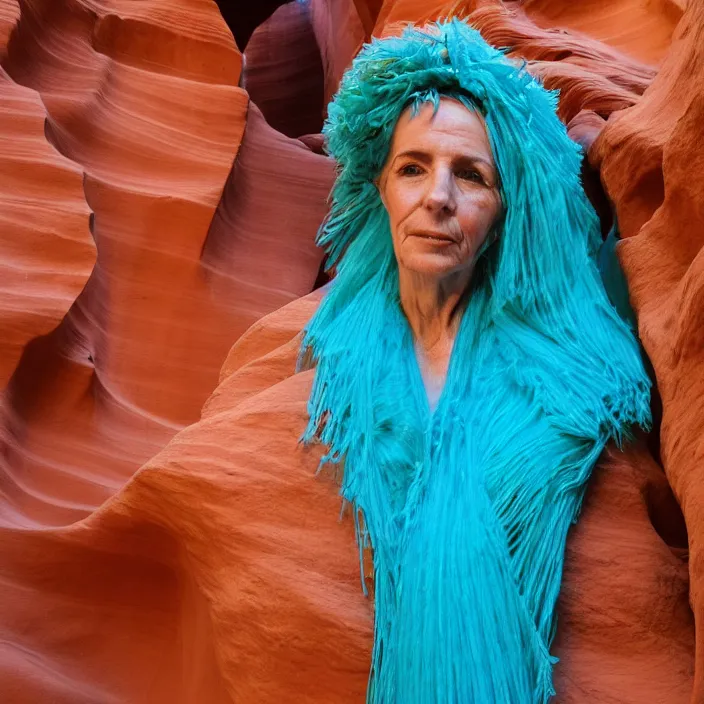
{"points": [[163, 537], [143, 101], [46, 248], [283, 72], [652, 166]]}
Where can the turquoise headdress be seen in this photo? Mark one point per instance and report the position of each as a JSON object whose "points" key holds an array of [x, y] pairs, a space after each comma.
{"points": [[467, 509]]}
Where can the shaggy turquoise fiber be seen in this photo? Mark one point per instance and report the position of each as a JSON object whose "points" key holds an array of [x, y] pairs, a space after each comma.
{"points": [[467, 508]]}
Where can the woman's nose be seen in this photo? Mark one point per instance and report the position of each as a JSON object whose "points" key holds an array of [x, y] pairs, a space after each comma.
{"points": [[441, 192]]}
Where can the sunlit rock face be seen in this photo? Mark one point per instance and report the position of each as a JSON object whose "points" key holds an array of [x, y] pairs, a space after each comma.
{"points": [[163, 537]]}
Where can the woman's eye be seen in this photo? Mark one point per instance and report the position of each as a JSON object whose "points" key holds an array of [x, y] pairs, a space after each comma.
{"points": [[470, 175], [410, 170]]}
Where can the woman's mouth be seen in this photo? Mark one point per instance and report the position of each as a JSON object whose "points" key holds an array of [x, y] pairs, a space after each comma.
{"points": [[435, 237]]}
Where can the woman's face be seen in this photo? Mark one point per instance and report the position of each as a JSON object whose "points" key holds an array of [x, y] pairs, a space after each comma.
{"points": [[439, 186]]}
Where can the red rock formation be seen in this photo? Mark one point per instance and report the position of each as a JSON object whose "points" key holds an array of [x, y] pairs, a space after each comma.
{"points": [[640, 28], [283, 72], [653, 168], [588, 74], [260, 253], [219, 572], [46, 249], [143, 100], [9, 14], [340, 33], [89, 403]]}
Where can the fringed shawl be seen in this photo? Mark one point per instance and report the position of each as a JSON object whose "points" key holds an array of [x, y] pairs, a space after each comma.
{"points": [[467, 508]]}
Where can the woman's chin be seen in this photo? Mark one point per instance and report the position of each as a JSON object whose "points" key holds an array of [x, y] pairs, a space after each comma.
{"points": [[432, 263]]}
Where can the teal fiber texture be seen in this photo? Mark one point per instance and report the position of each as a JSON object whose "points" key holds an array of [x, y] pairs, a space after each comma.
{"points": [[467, 508]]}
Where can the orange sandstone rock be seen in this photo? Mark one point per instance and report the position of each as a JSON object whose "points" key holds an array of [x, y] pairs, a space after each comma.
{"points": [[222, 572], [340, 33], [653, 168], [9, 14], [46, 248], [219, 572], [283, 73], [143, 99], [641, 29]]}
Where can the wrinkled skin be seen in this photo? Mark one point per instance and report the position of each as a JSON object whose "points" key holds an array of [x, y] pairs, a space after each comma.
{"points": [[440, 189]]}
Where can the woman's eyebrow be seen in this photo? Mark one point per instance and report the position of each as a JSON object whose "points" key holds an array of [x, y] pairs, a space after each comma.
{"points": [[476, 159], [425, 157], [414, 154]]}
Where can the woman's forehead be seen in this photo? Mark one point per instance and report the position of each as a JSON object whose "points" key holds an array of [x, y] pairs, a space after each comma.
{"points": [[452, 126]]}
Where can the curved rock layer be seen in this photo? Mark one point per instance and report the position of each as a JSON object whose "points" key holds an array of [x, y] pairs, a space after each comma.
{"points": [[340, 32], [46, 248], [639, 28], [589, 74], [653, 168], [283, 72], [143, 100], [219, 571], [260, 251], [622, 24], [9, 14]]}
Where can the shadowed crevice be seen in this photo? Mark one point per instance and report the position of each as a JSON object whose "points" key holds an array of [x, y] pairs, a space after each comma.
{"points": [[244, 18]]}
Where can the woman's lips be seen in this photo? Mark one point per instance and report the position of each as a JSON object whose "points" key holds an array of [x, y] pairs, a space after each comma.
{"points": [[436, 237]]}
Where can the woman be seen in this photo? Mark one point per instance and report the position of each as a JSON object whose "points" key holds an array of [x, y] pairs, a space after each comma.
{"points": [[469, 366]]}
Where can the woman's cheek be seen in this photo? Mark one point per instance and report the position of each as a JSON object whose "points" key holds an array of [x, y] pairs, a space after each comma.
{"points": [[397, 202], [478, 215]]}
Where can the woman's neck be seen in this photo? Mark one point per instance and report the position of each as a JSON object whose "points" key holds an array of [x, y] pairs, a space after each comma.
{"points": [[433, 307]]}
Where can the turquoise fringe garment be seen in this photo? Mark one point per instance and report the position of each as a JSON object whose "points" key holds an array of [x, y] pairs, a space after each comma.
{"points": [[467, 509]]}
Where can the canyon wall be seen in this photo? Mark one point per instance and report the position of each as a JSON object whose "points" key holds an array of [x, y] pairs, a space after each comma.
{"points": [[162, 538]]}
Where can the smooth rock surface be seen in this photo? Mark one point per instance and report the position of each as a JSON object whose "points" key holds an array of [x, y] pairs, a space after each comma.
{"points": [[283, 71], [46, 248], [157, 550], [143, 100], [652, 165]]}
